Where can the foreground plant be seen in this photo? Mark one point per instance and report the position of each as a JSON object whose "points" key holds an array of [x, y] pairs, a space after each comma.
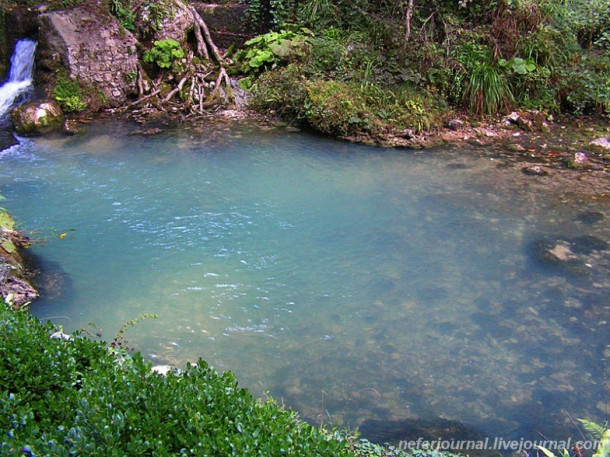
{"points": [[70, 397]]}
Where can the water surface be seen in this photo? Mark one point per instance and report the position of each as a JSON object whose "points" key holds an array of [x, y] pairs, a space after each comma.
{"points": [[353, 283]]}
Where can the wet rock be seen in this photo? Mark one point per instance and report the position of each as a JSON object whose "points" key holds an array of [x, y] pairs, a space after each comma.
{"points": [[601, 145], [578, 161], [587, 244], [61, 336], [512, 118], [535, 171], [38, 118], [163, 370], [558, 256], [7, 139], [590, 217], [455, 124], [15, 288], [72, 127]]}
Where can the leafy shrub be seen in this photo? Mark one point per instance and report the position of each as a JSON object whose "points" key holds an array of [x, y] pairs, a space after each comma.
{"points": [[69, 95], [326, 56], [484, 87], [78, 398], [585, 86], [335, 108], [268, 50], [164, 53], [282, 91]]}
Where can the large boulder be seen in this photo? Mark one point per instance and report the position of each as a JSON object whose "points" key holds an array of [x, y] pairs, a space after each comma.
{"points": [[38, 117], [95, 49]]}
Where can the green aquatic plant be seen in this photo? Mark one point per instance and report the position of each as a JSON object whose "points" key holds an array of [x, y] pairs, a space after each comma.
{"points": [[119, 339]]}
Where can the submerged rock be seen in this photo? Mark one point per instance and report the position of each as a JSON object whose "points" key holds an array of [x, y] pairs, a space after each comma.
{"points": [[38, 118], [381, 431], [587, 244], [535, 171], [567, 256], [590, 217]]}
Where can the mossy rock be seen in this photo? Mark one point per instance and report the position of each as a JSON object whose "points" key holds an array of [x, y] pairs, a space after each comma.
{"points": [[38, 118]]}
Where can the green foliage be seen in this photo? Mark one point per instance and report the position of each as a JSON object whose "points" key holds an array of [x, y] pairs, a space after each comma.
{"points": [[487, 90], [69, 95], [585, 86], [485, 56], [164, 53], [364, 448], [596, 431], [270, 49], [119, 339], [282, 91], [73, 398], [604, 445], [270, 13], [335, 108], [6, 220], [518, 65], [122, 9]]}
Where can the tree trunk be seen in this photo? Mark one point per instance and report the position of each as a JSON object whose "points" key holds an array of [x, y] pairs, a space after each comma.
{"points": [[408, 16]]}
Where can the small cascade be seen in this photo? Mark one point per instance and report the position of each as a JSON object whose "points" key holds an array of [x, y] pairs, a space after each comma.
{"points": [[19, 84]]}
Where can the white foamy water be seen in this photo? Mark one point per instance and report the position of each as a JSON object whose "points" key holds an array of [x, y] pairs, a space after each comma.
{"points": [[19, 82]]}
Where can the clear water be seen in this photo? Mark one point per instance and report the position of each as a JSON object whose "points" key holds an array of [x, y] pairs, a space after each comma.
{"points": [[355, 284]]}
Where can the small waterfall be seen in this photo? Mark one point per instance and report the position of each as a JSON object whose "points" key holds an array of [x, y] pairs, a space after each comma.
{"points": [[19, 83]]}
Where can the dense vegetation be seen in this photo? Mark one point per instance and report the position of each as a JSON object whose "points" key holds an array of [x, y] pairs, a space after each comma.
{"points": [[377, 66], [77, 397]]}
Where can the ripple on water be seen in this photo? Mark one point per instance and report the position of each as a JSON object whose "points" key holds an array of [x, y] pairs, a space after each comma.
{"points": [[359, 285]]}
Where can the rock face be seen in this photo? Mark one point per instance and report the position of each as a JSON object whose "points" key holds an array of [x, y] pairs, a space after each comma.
{"points": [[95, 49], [177, 24], [226, 20], [15, 288], [23, 23], [38, 118]]}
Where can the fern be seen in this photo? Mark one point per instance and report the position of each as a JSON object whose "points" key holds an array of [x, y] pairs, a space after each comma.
{"points": [[596, 430]]}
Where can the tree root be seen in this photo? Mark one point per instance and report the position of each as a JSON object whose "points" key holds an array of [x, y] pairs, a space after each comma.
{"points": [[197, 92]]}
